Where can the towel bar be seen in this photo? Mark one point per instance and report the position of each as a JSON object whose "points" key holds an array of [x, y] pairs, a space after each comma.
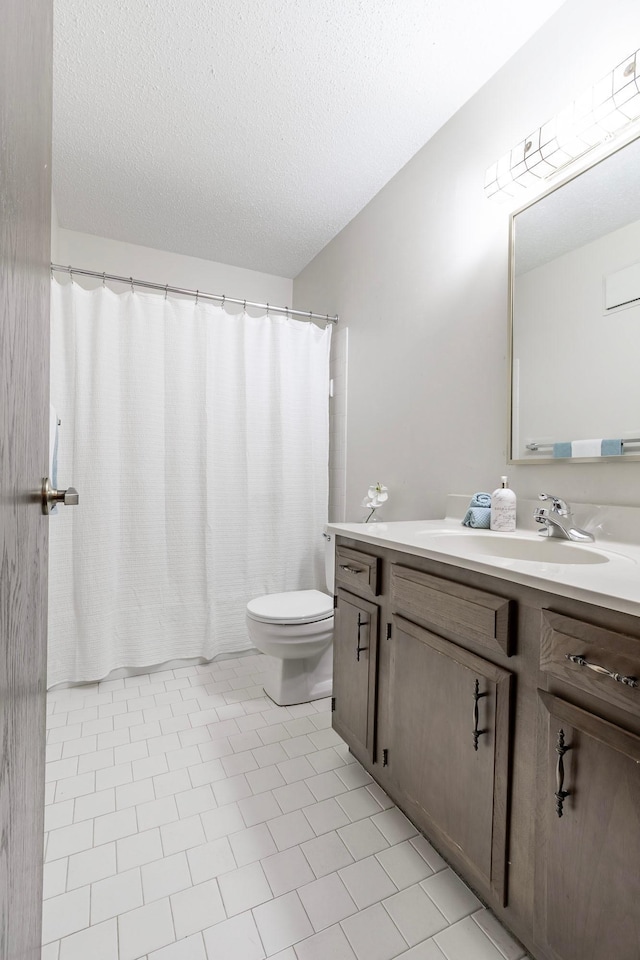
{"points": [[534, 445]]}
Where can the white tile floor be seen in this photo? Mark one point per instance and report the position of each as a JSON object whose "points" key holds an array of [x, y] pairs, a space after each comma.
{"points": [[188, 818]]}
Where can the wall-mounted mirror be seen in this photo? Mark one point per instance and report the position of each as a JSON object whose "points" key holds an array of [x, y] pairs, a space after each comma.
{"points": [[575, 317]]}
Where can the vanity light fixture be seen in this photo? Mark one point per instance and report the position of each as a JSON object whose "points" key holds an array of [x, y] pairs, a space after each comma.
{"points": [[606, 109]]}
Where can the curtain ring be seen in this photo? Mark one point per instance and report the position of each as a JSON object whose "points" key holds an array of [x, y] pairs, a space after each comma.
{"points": [[104, 279], [267, 309], [131, 282], [286, 310], [244, 305], [70, 273], [223, 300], [197, 296], [166, 290]]}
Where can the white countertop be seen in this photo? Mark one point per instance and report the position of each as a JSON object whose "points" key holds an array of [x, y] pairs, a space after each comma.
{"points": [[614, 584]]}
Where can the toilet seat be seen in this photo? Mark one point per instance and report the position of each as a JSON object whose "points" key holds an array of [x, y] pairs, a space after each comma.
{"points": [[295, 606]]}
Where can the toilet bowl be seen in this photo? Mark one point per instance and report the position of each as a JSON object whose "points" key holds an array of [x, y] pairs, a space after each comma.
{"points": [[296, 629]]}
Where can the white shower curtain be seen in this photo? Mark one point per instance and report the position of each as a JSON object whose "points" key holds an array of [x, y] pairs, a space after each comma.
{"points": [[198, 442]]}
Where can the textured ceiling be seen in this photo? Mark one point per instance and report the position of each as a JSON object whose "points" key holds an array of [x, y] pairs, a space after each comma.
{"points": [[251, 133]]}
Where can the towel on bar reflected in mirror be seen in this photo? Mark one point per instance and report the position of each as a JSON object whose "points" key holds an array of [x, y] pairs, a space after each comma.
{"points": [[588, 448]]}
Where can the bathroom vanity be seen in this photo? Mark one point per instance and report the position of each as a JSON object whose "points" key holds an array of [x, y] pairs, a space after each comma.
{"points": [[497, 701]]}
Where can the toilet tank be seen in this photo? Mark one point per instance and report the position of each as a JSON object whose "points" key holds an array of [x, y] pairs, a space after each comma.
{"points": [[329, 561]]}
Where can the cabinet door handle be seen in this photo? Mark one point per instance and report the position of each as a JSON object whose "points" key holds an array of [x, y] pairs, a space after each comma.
{"points": [[576, 658], [349, 568], [361, 623], [476, 696], [561, 794]]}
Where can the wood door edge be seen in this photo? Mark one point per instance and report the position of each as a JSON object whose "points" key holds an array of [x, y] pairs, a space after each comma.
{"points": [[502, 773]]}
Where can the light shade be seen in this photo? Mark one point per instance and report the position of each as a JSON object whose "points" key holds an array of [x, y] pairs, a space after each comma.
{"points": [[610, 106]]}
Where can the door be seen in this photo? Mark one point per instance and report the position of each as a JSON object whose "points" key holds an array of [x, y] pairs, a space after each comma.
{"points": [[587, 880], [355, 660], [25, 205], [449, 747]]}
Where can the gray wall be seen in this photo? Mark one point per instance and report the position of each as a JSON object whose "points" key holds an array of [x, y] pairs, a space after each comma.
{"points": [[420, 278], [161, 266]]}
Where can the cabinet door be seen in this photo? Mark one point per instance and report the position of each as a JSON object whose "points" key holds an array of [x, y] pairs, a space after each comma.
{"points": [[355, 657], [449, 750], [587, 882]]}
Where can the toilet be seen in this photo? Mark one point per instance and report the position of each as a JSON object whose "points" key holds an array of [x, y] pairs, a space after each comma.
{"points": [[296, 628]]}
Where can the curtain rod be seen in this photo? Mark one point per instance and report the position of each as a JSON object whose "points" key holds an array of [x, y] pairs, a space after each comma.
{"points": [[198, 294]]}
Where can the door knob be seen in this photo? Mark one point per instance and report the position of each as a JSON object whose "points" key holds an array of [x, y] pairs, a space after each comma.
{"points": [[51, 497]]}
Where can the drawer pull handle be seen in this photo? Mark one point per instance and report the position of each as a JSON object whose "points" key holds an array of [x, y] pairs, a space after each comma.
{"points": [[361, 623], [476, 716], [349, 568], [561, 794], [576, 658]]}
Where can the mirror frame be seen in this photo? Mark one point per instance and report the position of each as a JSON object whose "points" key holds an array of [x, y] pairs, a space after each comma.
{"points": [[592, 159]]}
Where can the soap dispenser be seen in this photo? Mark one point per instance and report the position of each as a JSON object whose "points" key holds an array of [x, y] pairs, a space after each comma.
{"points": [[503, 508]]}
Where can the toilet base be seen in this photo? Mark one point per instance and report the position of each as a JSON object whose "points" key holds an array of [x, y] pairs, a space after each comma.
{"points": [[300, 681]]}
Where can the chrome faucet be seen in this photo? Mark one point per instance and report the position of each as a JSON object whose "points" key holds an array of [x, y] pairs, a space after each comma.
{"points": [[557, 521]]}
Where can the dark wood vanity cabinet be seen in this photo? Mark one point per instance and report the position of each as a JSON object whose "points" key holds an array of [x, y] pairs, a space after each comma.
{"points": [[355, 656], [587, 866], [485, 708], [432, 717], [449, 747], [587, 869], [355, 650], [448, 728], [357, 571]]}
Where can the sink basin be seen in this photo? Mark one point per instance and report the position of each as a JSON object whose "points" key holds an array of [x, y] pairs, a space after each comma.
{"points": [[519, 548]]}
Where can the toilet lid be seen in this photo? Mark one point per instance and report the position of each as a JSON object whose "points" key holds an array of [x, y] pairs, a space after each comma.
{"points": [[296, 606]]}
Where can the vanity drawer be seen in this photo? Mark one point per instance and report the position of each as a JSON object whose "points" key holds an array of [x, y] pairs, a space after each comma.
{"points": [[469, 613], [358, 570], [592, 658]]}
